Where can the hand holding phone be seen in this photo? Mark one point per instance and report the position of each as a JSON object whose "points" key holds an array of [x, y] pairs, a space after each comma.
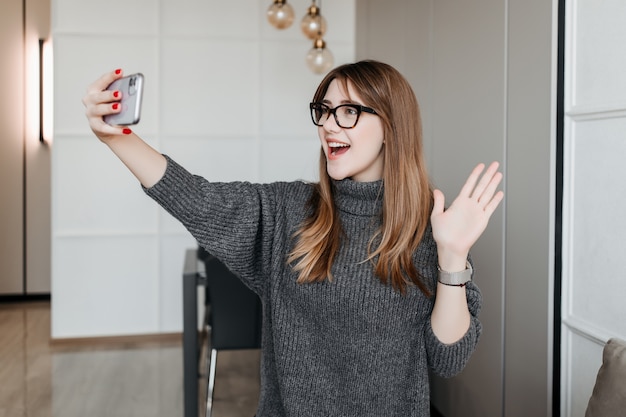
{"points": [[131, 88]]}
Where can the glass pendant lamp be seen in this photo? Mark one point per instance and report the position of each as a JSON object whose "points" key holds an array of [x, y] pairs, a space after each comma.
{"points": [[280, 14], [313, 24], [319, 59]]}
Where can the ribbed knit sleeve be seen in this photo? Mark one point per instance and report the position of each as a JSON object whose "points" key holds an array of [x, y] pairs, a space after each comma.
{"points": [[447, 360], [233, 221]]}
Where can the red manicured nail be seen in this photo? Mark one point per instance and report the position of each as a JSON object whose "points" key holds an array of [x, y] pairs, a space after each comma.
{"points": [[115, 106], [118, 71], [127, 131], [116, 94]]}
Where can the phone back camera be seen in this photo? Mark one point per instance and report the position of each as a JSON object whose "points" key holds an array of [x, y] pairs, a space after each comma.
{"points": [[132, 89]]}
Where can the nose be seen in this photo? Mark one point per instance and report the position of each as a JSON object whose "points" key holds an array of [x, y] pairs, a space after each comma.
{"points": [[330, 124]]}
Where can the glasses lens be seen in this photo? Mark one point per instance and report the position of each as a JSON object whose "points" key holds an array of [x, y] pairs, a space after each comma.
{"points": [[347, 115], [319, 113]]}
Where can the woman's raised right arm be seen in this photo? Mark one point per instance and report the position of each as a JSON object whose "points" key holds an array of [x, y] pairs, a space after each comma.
{"points": [[146, 163]]}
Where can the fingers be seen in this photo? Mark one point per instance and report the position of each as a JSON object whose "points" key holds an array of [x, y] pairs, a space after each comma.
{"points": [[493, 203], [99, 97], [475, 191], [469, 185], [485, 181], [104, 81], [100, 109], [486, 189], [97, 92], [103, 129], [100, 102], [488, 192]]}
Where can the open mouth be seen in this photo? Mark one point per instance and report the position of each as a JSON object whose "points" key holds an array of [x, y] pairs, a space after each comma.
{"points": [[337, 148]]}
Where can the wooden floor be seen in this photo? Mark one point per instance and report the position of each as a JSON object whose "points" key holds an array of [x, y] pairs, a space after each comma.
{"points": [[43, 379]]}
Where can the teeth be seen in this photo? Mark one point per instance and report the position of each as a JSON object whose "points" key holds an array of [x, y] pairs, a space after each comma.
{"points": [[337, 145]]}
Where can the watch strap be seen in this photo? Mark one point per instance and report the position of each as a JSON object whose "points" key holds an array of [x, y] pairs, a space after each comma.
{"points": [[456, 279]]}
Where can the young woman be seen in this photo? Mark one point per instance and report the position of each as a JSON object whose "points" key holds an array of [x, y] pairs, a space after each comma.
{"points": [[365, 279]]}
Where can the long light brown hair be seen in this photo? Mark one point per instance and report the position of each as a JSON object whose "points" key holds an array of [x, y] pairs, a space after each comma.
{"points": [[407, 199]]}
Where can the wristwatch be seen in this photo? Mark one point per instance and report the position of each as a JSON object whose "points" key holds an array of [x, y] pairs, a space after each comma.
{"points": [[456, 279]]}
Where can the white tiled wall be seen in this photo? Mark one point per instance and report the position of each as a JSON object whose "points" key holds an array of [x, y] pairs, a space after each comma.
{"points": [[594, 283], [226, 95]]}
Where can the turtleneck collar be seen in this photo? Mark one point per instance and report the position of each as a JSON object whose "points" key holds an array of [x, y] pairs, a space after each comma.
{"points": [[359, 198]]}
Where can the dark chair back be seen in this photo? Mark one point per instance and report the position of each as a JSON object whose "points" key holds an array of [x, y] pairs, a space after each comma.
{"points": [[234, 309]]}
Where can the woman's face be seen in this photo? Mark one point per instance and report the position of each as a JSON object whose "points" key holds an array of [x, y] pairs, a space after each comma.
{"points": [[355, 153]]}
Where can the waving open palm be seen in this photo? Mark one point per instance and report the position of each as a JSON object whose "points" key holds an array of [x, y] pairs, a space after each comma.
{"points": [[459, 227]]}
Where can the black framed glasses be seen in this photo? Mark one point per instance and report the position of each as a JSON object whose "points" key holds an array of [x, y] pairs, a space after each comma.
{"points": [[346, 115]]}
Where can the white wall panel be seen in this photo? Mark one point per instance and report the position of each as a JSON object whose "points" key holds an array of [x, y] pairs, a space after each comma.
{"points": [[290, 159], [597, 71], [95, 194], [118, 17], [170, 300], [109, 286], [202, 18], [597, 222], [200, 94], [341, 18]]}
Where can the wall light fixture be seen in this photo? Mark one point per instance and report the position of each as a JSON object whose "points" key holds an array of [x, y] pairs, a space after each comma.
{"points": [[45, 90]]}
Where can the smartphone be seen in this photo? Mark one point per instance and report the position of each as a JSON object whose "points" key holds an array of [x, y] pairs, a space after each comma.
{"points": [[131, 87]]}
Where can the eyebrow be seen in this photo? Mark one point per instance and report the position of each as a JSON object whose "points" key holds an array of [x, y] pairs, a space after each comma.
{"points": [[341, 102]]}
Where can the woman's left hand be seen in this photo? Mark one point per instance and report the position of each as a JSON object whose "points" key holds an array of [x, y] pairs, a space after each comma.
{"points": [[457, 229]]}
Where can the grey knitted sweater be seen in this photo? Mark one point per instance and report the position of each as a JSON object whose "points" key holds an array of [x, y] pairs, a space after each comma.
{"points": [[350, 347]]}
